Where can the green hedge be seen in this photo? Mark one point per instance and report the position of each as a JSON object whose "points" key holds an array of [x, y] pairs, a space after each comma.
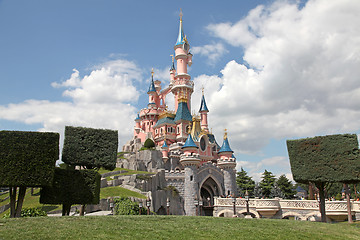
{"points": [[72, 187], [333, 158], [93, 148], [28, 158]]}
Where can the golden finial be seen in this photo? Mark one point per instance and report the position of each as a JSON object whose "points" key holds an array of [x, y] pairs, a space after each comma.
{"points": [[152, 72], [180, 14], [185, 39], [225, 134], [172, 57], [202, 90]]}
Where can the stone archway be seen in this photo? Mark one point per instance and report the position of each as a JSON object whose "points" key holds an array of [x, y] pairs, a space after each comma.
{"points": [[208, 190]]}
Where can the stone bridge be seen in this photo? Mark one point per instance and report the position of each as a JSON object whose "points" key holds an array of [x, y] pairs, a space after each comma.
{"points": [[306, 210]]}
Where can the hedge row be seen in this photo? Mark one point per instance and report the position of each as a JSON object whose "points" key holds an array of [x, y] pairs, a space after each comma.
{"points": [[333, 158], [72, 187], [93, 148], [27, 158]]}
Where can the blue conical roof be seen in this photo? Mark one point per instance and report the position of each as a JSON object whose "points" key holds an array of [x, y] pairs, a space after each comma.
{"points": [[189, 143], [183, 112], [225, 146], [152, 86], [181, 36], [203, 107], [137, 118], [164, 145]]}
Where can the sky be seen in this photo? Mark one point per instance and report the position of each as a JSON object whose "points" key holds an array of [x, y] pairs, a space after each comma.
{"points": [[271, 70]]}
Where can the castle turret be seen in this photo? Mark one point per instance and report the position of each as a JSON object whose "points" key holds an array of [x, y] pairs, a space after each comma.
{"points": [[182, 83], [203, 113], [152, 90], [227, 163], [165, 151], [191, 161]]}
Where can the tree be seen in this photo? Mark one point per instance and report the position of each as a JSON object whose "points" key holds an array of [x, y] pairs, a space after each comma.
{"points": [[149, 143], [276, 192], [267, 182], [27, 159], [286, 187], [257, 191], [86, 148], [325, 159], [245, 182]]}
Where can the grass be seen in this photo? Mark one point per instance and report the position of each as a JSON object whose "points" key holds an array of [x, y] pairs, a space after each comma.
{"points": [[33, 201], [128, 172], [119, 191], [170, 227]]}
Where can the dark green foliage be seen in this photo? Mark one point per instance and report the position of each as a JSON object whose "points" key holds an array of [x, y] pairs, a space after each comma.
{"points": [[245, 182], [124, 206], [27, 158], [267, 182], [286, 187], [333, 158], [149, 143], [92, 148], [72, 187]]}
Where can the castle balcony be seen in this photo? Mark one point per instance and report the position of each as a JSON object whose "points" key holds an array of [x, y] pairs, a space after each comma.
{"points": [[226, 162], [181, 83]]}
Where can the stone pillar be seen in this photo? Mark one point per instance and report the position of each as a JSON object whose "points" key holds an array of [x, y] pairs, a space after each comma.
{"points": [[190, 189]]}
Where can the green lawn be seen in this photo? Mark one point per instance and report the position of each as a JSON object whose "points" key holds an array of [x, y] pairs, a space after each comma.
{"points": [[33, 201], [119, 191], [170, 227]]}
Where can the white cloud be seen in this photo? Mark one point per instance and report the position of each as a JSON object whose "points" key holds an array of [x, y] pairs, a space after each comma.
{"points": [[301, 77], [100, 99], [212, 51]]}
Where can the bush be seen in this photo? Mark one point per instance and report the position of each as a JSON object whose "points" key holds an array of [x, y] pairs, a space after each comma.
{"points": [[124, 206], [27, 159], [32, 212], [93, 148], [149, 143], [72, 187]]}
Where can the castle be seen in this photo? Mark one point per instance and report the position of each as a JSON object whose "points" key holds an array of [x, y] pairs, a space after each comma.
{"points": [[194, 163]]}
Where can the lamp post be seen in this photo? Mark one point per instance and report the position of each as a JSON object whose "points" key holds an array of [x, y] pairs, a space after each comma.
{"points": [[148, 204], [196, 203], [247, 202], [200, 206], [140, 207], [168, 206], [234, 205]]}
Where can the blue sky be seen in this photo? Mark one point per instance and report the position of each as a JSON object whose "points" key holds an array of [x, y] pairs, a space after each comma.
{"points": [[272, 70]]}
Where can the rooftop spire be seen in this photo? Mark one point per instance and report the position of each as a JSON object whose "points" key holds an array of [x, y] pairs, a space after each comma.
{"points": [[203, 107], [181, 38], [152, 85], [225, 146]]}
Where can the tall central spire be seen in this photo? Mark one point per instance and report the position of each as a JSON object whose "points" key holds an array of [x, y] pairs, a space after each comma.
{"points": [[181, 37]]}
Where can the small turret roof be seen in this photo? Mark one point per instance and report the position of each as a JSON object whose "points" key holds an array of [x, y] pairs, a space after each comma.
{"points": [[137, 117], [189, 143], [164, 145], [225, 146], [152, 86], [183, 112], [203, 107]]}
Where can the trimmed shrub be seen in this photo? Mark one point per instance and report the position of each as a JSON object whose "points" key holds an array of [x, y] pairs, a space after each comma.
{"points": [[124, 206], [93, 148], [72, 187], [27, 159], [149, 143], [32, 212], [333, 158]]}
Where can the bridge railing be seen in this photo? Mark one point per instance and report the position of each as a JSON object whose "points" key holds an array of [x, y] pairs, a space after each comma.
{"points": [[287, 204]]}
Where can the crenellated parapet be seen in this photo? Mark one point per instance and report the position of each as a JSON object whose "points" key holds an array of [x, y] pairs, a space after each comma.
{"points": [[190, 159], [227, 163]]}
